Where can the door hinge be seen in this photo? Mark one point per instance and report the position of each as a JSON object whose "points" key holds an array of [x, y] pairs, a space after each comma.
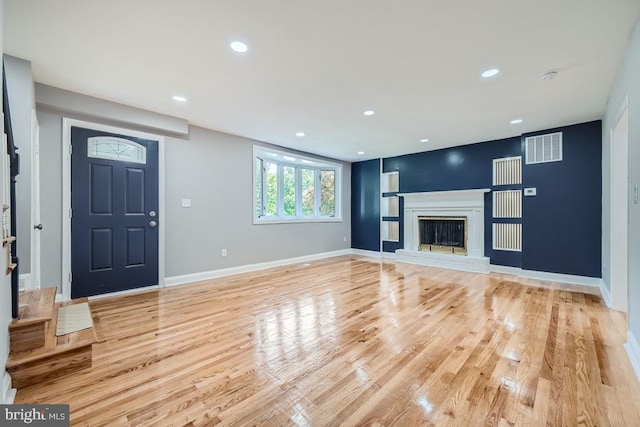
{"points": [[70, 149], [70, 277], [70, 213]]}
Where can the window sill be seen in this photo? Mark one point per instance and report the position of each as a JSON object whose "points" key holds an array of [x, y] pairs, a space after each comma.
{"points": [[262, 221]]}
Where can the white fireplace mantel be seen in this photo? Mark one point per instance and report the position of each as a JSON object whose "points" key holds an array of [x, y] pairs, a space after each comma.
{"points": [[460, 203]]}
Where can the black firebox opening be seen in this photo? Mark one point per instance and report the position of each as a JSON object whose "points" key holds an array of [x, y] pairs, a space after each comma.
{"points": [[442, 232]]}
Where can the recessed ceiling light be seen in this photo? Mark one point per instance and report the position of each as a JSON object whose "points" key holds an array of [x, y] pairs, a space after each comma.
{"points": [[424, 140], [551, 74], [490, 73], [360, 153], [300, 134], [516, 121], [239, 47], [369, 113], [179, 98]]}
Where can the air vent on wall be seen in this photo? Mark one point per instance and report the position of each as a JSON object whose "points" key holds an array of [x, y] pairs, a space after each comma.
{"points": [[544, 148], [507, 204], [507, 171], [507, 237]]}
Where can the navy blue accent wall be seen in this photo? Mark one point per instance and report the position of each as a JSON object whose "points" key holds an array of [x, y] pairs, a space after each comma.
{"points": [[562, 224], [458, 168], [365, 205]]}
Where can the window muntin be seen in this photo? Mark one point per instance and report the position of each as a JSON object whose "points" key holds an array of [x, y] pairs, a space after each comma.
{"points": [[291, 188], [114, 148]]}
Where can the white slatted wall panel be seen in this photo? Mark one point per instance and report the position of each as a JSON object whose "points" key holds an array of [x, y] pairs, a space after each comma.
{"points": [[507, 204], [507, 171], [507, 237]]}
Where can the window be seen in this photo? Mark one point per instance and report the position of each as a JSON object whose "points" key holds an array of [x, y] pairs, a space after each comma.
{"points": [[113, 148], [292, 188]]}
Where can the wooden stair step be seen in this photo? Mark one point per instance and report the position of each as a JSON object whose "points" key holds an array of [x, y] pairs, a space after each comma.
{"points": [[36, 306], [60, 354], [28, 331]]}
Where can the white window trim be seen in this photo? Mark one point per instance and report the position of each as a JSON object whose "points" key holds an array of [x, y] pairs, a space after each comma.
{"points": [[300, 161]]}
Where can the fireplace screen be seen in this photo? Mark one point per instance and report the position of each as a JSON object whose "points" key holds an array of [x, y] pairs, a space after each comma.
{"points": [[443, 234]]}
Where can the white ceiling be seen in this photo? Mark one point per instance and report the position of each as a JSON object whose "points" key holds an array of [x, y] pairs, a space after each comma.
{"points": [[316, 66]]}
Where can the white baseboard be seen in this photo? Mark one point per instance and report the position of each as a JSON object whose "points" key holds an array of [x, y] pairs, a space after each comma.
{"points": [[213, 274], [552, 277], [633, 351], [8, 393], [120, 293], [24, 282], [606, 295], [373, 254]]}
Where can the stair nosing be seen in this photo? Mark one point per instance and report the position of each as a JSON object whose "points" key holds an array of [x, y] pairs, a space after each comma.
{"points": [[14, 361], [18, 323]]}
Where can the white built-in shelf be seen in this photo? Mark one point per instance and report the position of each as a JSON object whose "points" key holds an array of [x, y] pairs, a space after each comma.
{"points": [[389, 207], [389, 182]]}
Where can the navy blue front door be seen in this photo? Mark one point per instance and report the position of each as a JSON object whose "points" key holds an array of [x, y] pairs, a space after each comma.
{"points": [[114, 223]]}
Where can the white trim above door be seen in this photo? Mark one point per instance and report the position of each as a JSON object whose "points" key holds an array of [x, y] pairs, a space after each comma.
{"points": [[67, 124]]}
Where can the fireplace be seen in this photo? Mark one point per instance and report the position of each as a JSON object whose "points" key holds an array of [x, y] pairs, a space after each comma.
{"points": [[458, 219], [444, 234]]}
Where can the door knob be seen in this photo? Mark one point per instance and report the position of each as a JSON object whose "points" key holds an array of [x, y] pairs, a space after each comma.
{"points": [[37, 227], [153, 223]]}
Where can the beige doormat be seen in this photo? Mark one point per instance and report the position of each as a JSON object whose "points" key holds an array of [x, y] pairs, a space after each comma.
{"points": [[73, 318]]}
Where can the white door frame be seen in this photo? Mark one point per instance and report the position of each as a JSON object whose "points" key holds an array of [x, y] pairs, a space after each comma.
{"points": [[66, 196], [619, 210], [36, 235]]}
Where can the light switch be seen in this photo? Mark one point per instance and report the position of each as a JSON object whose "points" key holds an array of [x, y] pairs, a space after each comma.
{"points": [[530, 191], [186, 203]]}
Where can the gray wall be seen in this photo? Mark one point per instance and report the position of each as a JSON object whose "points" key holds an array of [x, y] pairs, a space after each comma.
{"points": [[5, 280], [214, 170], [627, 83], [20, 91]]}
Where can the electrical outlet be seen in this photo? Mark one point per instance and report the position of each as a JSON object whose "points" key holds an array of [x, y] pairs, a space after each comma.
{"points": [[345, 239], [186, 203], [224, 253]]}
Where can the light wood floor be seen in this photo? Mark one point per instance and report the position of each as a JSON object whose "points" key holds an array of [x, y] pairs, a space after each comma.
{"points": [[354, 341]]}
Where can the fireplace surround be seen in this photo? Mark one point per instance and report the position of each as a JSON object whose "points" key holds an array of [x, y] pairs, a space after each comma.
{"points": [[466, 204]]}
